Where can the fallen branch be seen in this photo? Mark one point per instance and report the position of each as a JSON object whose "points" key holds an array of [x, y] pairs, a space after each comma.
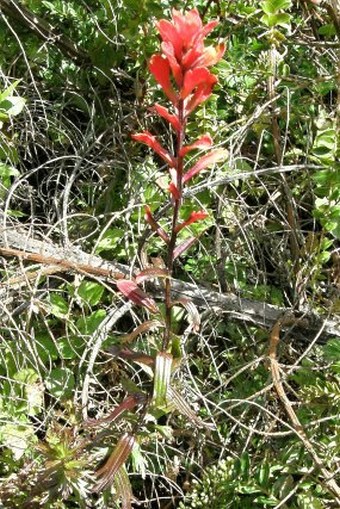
{"points": [[15, 242]]}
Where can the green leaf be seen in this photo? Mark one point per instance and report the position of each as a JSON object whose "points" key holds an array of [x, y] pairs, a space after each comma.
{"points": [[91, 292], [89, 324], [332, 350], [274, 6], [30, 389], [327, 30], [245, 465], [163, 364], [71, 347], [46, 348], [273, 20], [18, 438], [9, 90], [264, 473], [266, 501], [309, 501], [8, 171], [110, 240], [283, 485], [60, 383], [12, 106], [59, 306]]}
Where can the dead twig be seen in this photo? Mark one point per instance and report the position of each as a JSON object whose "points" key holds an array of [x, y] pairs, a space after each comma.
{"points": [[274, 340]]}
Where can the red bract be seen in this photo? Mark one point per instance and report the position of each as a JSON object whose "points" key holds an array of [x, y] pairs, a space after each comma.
{"points": [[204, 141], [136, 295], [185, 34], [194, 216], [213, 157], [151, 141], [172, 119]]}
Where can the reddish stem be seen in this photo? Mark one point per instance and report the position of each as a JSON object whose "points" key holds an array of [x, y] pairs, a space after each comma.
{"points": [[173, 236]]}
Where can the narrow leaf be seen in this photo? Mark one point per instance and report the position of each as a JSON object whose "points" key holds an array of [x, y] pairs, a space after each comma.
{"points": [[207, 160], [181, 248], [136, 295], [150, 140], [174, 191], [123, 487], [191, 309], [131, 355], [194, 216], [204, 142], [172, 119], [126, 405], [154, 225], [151, 273], [141, 329], [161, 384], [202, 93], [183, 407], [120, 454], [168, 51]]}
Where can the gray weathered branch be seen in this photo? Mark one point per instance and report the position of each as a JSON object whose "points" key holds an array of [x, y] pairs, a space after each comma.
{"points": [[16, 242]]}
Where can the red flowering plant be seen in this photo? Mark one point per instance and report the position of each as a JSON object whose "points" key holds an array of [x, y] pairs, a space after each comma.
{"points": [[182, 71]]}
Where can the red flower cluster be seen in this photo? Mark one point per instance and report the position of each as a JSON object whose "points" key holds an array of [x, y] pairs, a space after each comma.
{"points": [[182, 72], [185, 55]]}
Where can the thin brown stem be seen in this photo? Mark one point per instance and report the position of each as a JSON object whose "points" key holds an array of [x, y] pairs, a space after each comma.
{"points": [[274, 341]]}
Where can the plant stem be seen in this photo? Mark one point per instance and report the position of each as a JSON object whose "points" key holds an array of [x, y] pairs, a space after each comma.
{"points": [[173, 236]]}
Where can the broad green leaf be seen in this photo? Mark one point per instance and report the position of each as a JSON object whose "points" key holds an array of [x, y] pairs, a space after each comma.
{"points": [[8, 171], [32, 389], [273, 20], [18, 438], [12, 106], [47, 349], [110, 240], [91, 292], [71, 347], [327, 30], [59, 306], [309, 501], [60, 383], [274, 6], [89, 324]]}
